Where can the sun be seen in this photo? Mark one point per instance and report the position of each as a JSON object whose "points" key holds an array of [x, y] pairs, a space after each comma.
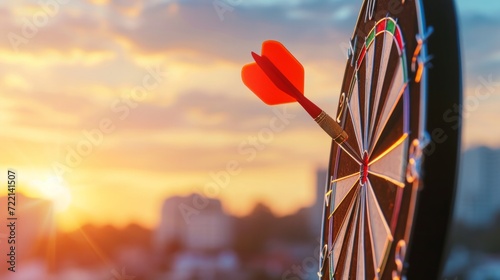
{"points": [[54, 189]]}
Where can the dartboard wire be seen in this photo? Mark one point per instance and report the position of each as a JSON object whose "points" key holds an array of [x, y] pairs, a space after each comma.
{"points": [[327, 197], [350, 245], [406, 113], [382, 123], [354, 184], [322, 257], [387, 178], [386, 50], [389, 238], [361, 239], [344, 178], [374, 259], [336, 245], [330, 243], [369, 67], [356, 132], [397, 208], [389, 165], [356, 114], [411, 208], [390, 149], [350, 152]]}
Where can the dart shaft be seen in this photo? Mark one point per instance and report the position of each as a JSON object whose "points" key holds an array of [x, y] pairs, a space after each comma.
{"points": [[326, 122], [330, 126]]}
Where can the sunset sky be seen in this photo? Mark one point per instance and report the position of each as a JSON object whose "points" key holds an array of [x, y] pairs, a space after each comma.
{"points": [[110, 106]]}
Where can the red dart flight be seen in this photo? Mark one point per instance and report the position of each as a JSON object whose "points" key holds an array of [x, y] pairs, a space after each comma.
{"points": [[277, 77]]}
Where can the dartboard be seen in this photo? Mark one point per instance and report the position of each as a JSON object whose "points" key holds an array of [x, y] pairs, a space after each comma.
{"points": [[390, 186]]}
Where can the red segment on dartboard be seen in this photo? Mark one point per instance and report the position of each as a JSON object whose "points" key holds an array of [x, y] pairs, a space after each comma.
{"points": [[260, 84], [361, 56], [399, 38], [381, 26]]}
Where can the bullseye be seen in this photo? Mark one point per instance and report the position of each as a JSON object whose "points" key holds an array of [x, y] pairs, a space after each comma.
{"points": [[364, 169]]}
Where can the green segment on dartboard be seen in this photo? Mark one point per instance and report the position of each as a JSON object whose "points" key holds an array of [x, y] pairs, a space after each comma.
{"points": [[405, 73], [370, 38], [391, 26]]}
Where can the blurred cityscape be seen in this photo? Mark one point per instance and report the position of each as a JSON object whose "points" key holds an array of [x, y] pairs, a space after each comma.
{"points": [[196, 239], [475, 234]]}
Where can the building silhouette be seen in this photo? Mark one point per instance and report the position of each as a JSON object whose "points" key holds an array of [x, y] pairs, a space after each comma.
{"points": [[479, 187], [194, 225], [316, 210], [194, 240]]}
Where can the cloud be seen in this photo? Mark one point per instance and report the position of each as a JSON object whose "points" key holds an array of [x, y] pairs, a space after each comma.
{"points": [[480, 45], [111, 37], [203, 112], [196, 26], [158, 27], [47, 113]]}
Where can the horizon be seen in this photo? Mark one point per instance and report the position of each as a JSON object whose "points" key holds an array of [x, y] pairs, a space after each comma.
{"points": [[191, 207]]}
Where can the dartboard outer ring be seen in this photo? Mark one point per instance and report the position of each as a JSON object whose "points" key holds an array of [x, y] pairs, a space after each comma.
{"points": [[416, 248]]}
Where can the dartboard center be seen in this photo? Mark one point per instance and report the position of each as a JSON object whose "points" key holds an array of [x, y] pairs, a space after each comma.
{"points": [[364, 168]]}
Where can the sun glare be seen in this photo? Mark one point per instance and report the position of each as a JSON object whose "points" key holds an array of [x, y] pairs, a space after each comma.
{"points": [[55, 190]]}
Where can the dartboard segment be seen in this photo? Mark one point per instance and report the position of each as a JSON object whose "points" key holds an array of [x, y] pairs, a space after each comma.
{"points": [[353, 107]]}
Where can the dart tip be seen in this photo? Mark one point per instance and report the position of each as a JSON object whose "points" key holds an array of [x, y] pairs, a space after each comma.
{"points": [[341, 138]]}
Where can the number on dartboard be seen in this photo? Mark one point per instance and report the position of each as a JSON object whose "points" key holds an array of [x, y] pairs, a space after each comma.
{"points": [[399, 260], [342, 104], [369, 10]]}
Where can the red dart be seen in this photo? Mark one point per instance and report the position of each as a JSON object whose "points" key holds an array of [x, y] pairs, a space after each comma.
{"points": [[277, 77]]}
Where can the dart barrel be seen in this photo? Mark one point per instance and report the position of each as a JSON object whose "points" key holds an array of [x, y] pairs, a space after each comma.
{"points": [[331, 127]]}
